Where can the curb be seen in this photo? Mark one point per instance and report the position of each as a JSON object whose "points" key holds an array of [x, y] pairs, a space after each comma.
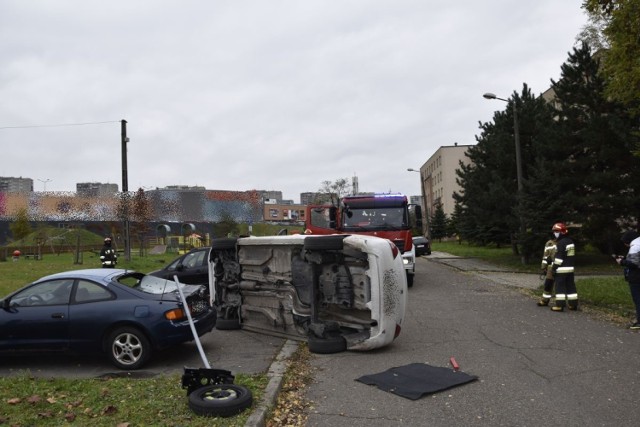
{"points": [[276, 377]]}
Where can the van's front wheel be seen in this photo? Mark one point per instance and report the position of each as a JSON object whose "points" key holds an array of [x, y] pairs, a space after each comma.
{"points": [[328, 345]]}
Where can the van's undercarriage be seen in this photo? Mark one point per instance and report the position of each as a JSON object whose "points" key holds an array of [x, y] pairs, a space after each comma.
{"points": [[317, 289]]}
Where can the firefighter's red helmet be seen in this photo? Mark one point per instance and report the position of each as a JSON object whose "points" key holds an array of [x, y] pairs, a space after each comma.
{"points": [[559, 227]]}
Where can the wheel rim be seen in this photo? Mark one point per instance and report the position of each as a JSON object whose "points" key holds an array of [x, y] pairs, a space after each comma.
{"points": [[127, 349], [220, 394]]}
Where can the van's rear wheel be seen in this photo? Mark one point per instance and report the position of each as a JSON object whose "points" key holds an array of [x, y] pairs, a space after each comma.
{"points": [[224, 243], [323, 243]]}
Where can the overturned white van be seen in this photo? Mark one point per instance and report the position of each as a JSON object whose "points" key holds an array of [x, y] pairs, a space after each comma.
{"points": [[336, 292]]}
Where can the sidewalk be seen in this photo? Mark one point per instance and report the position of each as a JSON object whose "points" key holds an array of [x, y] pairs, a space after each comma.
{"points": [[488, 271]]}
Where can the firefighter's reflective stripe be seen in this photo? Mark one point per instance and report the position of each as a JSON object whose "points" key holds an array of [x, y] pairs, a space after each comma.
{"points": [[572, 297], [564, 270], [546, 295], [109, 257], [560, 297]]}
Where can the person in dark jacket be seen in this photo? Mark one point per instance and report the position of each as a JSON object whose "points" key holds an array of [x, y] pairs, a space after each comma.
{"points": [[631, 264], [108, 256], [563, 269]]}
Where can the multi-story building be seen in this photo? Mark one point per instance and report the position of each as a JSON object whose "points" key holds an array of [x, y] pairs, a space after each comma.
{"points": [[416, 200], [175, 203], [95, 189], [16, 185], [438, 178], [307, 198], [314, 198], [279, 212]]}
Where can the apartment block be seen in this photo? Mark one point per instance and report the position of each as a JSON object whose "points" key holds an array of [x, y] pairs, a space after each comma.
{"points": [[438, 177]]}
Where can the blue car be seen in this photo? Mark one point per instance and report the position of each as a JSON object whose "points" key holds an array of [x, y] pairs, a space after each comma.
{"points": [[125, 314]]}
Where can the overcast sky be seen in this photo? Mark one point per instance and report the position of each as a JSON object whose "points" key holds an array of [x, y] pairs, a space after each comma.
{"points": [[267, 95]]}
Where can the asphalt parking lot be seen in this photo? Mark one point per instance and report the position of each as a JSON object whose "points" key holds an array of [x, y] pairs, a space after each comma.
{"points": [[235, 351]]}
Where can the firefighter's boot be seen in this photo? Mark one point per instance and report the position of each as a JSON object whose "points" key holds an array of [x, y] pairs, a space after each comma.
{"points": [[557, 308], [543, 302], [547, 293]]}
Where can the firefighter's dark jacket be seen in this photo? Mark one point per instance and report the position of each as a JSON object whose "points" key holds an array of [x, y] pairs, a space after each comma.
{"points": [[564, 261]]}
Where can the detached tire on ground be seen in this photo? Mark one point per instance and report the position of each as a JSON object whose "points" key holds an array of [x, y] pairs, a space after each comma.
{"points": [[329, 345], [220, 400]]}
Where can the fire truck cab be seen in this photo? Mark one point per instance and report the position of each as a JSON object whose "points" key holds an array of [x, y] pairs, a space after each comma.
{"points": [[381, 215]]}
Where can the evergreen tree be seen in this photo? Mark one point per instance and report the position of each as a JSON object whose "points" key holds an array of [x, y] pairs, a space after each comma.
{"points": [[454, 225], [593, 165], [489, 203], [438, 223]]}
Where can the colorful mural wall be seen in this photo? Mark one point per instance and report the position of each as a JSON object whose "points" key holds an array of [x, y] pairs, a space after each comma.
{"points": [[163, 205]]}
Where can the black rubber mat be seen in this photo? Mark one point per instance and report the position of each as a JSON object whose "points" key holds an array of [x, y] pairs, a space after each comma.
{"points": [[416, 379]]}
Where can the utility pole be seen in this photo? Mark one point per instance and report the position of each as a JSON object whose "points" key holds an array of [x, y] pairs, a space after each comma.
{"points": [[125, 191]]}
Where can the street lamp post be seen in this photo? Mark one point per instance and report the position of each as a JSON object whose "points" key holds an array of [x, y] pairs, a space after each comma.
{"points": [[516, 133], [44, 182]]}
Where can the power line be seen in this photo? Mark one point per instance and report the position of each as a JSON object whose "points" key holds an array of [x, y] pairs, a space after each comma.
{"points": [[58, 125]]}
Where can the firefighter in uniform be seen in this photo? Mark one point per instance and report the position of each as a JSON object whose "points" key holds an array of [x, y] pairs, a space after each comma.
{"points": [[563, 263], [547, 269], [108, 256]]}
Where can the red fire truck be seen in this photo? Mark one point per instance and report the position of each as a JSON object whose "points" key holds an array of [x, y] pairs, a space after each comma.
{"points": [[381, 215]]}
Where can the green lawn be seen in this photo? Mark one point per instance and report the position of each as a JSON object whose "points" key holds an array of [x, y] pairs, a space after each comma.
{"points": [[26, 401], [29, 401], [14, 275]]}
